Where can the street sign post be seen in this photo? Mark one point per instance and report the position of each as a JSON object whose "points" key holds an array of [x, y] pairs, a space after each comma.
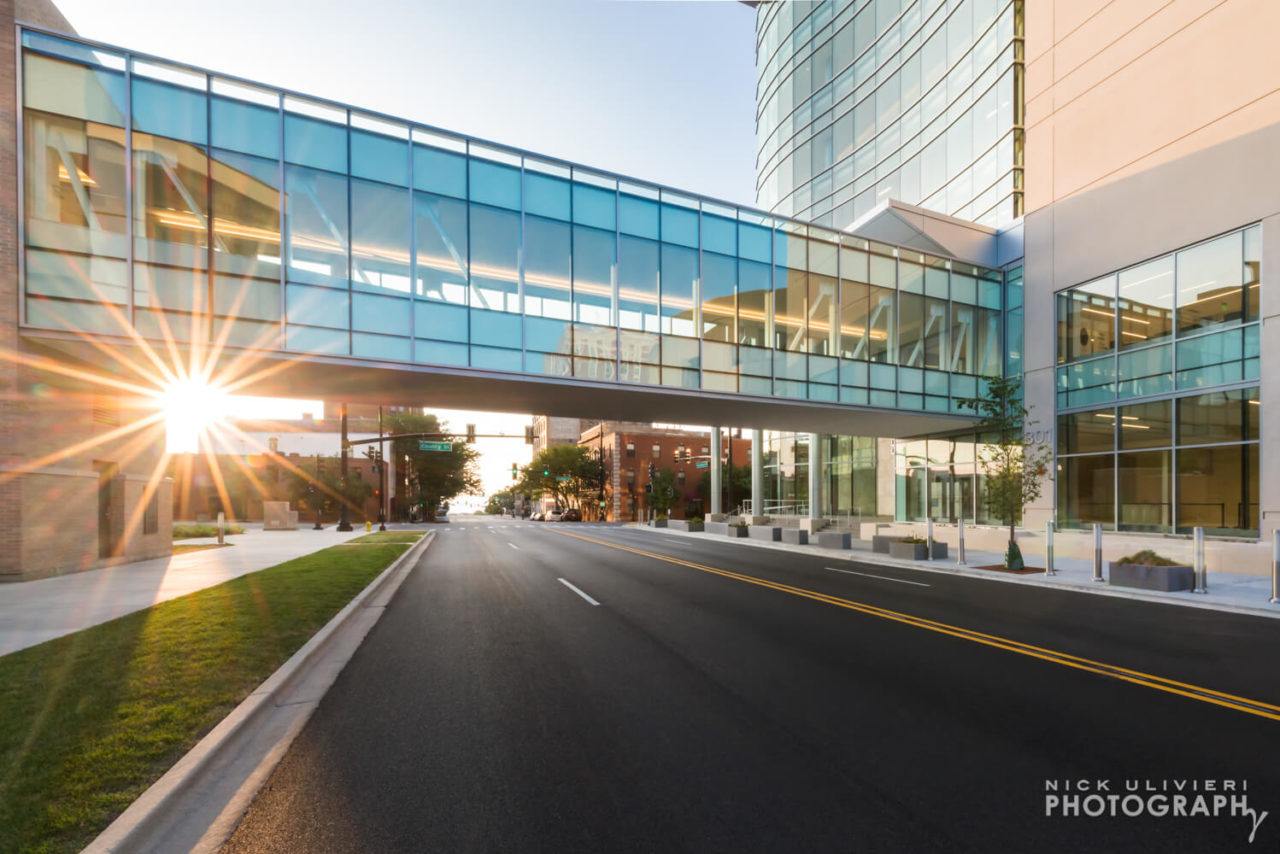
{"points": [[446, 447]]}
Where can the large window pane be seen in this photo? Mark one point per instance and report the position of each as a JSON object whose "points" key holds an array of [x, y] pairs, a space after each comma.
{"points": [[1221, 416], [170, 202], [71, 89], [593, 275], [1146, 303], [379, 236], [495, 254], [1145, 490], [1218, 489], [753, 302], [547, 274], [638, 283], [823, 313], [314, 142], [935, 334], [380, 157], [679, 271], [880, 327], [170, 110], [1146, 425], [440, 225], [790, 288], [1086, 432], [910, 330], [1210, 283], [1086, 320], [1086, 491], [317, 232], [719, 300], [246, 238], [242, 126]]}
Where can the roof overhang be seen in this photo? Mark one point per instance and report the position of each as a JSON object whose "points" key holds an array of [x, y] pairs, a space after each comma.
{"points": [[928, 231]]}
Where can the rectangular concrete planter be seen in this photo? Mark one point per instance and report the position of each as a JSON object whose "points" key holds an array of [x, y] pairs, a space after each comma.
{"points": [[764, 532], [685, 525], [724, 529], [795, 536], [834, 540], [880, 542], [658, 523], [1165, 578], [917, 551]]}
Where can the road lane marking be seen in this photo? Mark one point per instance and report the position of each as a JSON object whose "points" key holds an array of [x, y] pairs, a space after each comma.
{"points": [[514, 546], [881, 577], [1234, 702], [576, 590]]}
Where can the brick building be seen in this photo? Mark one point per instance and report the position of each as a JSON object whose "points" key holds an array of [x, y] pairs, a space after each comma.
{"points": [[629, 449]]}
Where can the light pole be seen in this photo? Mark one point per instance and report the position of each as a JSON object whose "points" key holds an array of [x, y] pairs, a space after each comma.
{"points": [[382, 479], [315, 493], [344, 522]]}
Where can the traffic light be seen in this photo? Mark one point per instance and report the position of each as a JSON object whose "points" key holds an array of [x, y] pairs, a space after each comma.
{"points": [[514, 472], [546, 472], [651, 471], [471, 434], [528, 434]]}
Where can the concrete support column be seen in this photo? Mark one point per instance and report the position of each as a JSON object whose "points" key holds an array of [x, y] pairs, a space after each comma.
{"points": [[757, 474], [716, 438], [1269, 462], [813, 522]]}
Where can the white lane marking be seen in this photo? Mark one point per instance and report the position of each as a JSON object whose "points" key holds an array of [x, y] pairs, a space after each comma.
{"points": [[881, 577], [514, 546], [579, 592]]}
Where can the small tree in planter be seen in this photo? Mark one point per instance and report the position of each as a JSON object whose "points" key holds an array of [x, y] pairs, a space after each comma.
{"points": [[663, 497], [1015, 468]]}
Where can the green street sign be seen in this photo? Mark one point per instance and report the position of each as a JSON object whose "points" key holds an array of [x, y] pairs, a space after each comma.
{"points": [[701, 464], [562, 478], [446, 447]]}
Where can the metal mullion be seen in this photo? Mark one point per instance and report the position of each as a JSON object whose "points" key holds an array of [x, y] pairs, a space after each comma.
{"points": [[20, 292], [614, 284], [697, 299], [573, 302], [208, 203], [351, 294], [413, 259], [281, 203], [520, 253], [128, 188]]}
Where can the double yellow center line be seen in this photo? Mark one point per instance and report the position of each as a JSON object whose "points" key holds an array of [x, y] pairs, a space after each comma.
{"points": [[1125, 674]]}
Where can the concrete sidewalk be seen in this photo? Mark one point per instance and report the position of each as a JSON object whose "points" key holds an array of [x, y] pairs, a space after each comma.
{"points": [[1239, 593], [32, 612]]}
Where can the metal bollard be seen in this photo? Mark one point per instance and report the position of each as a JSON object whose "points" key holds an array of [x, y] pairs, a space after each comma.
{"points": [[960, 543], [928, 538], [222, 526], [1275, 567], [1197, 548], [1097, 551], [1048, 548]]}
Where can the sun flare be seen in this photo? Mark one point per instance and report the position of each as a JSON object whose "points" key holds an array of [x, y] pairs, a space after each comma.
{"points": [[191, 407]]}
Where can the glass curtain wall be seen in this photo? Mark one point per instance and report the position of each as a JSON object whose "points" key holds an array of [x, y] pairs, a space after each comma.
{"points": [[258, 218], [847, 477]]}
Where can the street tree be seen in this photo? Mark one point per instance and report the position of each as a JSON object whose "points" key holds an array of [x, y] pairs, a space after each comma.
{"points": [[663, 495], [319, 487], [569, 474], [502, 501], [434, 477], [1015, 468]]}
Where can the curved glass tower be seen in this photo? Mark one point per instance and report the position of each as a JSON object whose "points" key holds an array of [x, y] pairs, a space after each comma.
{"points": [[862, 101]]}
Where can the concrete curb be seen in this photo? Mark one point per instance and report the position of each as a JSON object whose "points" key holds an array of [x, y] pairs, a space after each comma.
{"points": [[1263, 609], [159, 821]]}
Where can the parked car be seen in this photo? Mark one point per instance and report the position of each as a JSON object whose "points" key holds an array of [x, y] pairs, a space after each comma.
{"points": [[571, 515], [537, 516], [555, 515]]}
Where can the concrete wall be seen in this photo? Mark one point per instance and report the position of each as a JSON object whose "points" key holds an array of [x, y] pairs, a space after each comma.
{"points": [[1150, 125]]}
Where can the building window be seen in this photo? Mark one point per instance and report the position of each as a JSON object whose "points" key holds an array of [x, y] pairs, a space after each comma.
{"points": [[631, 450], [657, 451], [680, 477]]}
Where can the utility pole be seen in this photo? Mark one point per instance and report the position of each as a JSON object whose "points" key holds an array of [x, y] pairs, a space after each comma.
{"points": [[729, 503], [344, 521]]}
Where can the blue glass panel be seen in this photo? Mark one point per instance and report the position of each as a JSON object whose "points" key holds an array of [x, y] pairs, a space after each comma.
{"points": [[94, 94], [719, 382], [313, 142], [594, 206], [883, 398], [172, 111], [679, 272], [910, 401], [679, 352], [495, 252], [964, 289], [638, 284], [316, 306], [545, 195], [440, 223], [936, 404], [988, 293], [935, 382], [680, 378], [883, 376], [493, 359], [637, 216], [963, 385], [853, 395], [380, 347], [439, 171], [316, 220], [548, 364], [379, 237], [789, 365], [547, 335], [754, 242], [790, 388], [593, 275], [760, 386], [379, 158], [1252, 342], [824, 369], [756, 360], [853, 373], [910, 380], [305, 339], [719, 234], [385, 315], [440, 321], [249, 128], [679, 225], [495, 184], [494, 327], [440, 353], [1146, 371], [822, 392]]}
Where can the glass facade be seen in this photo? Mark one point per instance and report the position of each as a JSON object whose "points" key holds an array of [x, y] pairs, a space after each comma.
{"points": [[941, 478], [847, 477], [1157, 392], [193, 207], [861, 101]]}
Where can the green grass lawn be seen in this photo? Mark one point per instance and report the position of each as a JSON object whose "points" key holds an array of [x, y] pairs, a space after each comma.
{"points": [[90, 720], [389, 537], [191, 530]]}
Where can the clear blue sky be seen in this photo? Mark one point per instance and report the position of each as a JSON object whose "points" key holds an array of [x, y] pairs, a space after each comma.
{"points": [[659, 90]]}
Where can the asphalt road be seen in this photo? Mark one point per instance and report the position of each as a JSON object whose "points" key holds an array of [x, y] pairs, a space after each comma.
{"points": [[544, 687]]}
